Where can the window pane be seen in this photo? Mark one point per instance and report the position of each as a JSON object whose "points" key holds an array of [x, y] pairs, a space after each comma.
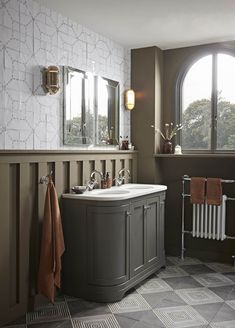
{"points": [[226, 102], [196, 105]]}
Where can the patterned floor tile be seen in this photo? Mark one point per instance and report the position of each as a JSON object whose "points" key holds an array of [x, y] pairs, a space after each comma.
{"points": [[171, 272], [230, 275], [195, 296], [223, 324], [52, 324], [227, 293], [154, 285], [186, 261], [182, 282], [138, 319], [165, 299], [180, 316], [220, 267], [197, 269], [58, 311], [208, 311], [131, 303], [99, 321], [213, 280], [231, 303], [82, 308], [225, 313]]}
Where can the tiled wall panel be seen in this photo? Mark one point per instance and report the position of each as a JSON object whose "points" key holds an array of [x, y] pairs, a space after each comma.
{"points": [[31, 37]]}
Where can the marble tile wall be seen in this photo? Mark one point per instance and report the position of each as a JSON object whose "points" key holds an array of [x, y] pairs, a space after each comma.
{"points": [[32, 37]]}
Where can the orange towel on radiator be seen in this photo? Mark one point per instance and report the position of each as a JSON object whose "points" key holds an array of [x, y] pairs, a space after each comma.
{"points": [[214, 191], [52, 245], [197, 190]]}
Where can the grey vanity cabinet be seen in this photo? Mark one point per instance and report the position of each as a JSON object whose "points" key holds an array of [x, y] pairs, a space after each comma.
{"points": [[147, 234], [111, 246], [108, 246]]}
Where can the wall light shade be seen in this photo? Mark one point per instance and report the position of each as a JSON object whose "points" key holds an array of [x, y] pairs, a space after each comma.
{"points": [[51, 80], [129, 99]]}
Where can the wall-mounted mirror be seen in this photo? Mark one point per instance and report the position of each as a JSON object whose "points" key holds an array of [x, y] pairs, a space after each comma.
{"points": [[91, 108]]}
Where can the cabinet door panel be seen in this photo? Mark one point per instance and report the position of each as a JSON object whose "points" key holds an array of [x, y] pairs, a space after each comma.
{"points": [[108, 247], [137, 238], [152, 230]]}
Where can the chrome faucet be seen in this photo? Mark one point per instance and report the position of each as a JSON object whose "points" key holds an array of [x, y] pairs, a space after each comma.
{"points": [[120, 179], [93, 183]]}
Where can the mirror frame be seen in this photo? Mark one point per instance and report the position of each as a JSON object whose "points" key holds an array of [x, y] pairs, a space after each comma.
{"points": [[114, 120]]}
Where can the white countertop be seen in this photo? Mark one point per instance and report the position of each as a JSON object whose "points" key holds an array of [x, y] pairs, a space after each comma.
{"points": [[125, 191]]}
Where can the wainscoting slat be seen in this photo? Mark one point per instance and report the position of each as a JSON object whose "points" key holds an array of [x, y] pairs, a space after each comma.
{"points": [[59, 178], [118, 166], [25, 215], [5, 241], [109, 168], [73, 174], [86, 172]]}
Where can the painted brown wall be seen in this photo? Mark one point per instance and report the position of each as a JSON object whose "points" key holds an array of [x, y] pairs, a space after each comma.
{"points": [[146, 80], [170, 170]]}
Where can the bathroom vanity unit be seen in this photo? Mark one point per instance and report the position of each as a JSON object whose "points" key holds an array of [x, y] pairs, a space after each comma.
{"points": [[114, 239]]}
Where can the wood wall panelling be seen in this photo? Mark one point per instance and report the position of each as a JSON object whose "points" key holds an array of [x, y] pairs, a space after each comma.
{"points": [[22, 207]]}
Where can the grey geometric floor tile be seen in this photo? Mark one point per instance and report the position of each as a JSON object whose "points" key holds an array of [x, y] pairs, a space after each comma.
{"points": [[168, 262], [154, 285], [180, 316], [195, 296], [220, 267], [197, 269], [182, 282], [213, 280], [58, 311], [186, 261], [208, 311], [165, 299], [225, 313], [52, 324], [138, 319], [231, 303], [99, 321], [82, 308], [131, 303], [230, 275], [171, 272], [225, 292], [223, 324]]}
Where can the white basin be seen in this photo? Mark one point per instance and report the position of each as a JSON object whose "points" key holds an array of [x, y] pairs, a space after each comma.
{"points": [[137, 186], [126, 191], [113, 192]]}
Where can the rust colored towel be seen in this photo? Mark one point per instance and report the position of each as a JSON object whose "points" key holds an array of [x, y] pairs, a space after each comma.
{"points": [[214, 191], [197, 190], [52, 245]]}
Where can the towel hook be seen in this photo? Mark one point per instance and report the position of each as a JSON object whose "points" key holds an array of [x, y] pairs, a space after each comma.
{"points": [[45, 178]]}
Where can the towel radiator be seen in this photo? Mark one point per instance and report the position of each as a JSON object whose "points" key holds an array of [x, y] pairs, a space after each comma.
{"points": [[208, 221]]}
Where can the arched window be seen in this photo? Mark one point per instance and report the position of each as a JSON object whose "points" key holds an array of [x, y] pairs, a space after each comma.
{"points": [[207, 104]]}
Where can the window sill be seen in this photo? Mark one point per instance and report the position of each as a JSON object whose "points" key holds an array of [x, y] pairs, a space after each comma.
{"points": [[218, 155]]}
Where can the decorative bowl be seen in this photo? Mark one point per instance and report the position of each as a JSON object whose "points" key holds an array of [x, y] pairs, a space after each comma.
{"points": [[79, 189]]}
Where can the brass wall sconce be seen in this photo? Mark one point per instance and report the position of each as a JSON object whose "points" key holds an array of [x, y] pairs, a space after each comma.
{"points": [[129, 99], [51, 80]]}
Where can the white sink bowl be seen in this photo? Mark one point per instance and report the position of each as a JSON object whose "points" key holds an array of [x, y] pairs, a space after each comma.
{"points": [[126, 191]]}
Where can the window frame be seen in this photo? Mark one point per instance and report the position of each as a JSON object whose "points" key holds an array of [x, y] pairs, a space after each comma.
{"points": [[189, 62]]}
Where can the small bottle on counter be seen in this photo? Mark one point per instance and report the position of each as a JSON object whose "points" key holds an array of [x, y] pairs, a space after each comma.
{"points": [[108, 180], [103, 183]]}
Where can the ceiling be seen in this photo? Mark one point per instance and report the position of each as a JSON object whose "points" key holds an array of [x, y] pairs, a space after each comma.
{"points": [[164, 23]]}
